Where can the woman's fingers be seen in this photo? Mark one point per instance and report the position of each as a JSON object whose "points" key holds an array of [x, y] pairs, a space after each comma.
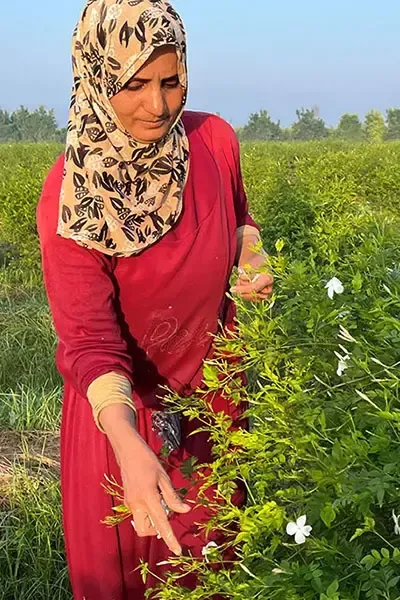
{"points": [[259, 283], [171, 498], [162, 525], [252, 295], [143, 523], [257, 296]]}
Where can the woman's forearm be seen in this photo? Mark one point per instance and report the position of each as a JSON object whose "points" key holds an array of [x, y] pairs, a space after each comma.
{"points": [[248, 237], [118, 422]]}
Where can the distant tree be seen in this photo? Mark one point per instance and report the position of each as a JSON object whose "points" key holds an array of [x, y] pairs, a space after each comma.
{"points": [[309, 126], [261, 127], [37, 126], [7, 132], [61, 135], [25, 126], [349, 128], [374, 126], [286, 134], [393, 124]]}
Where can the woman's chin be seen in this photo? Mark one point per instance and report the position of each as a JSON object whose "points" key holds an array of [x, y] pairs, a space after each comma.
{"points": [[150, 133]]}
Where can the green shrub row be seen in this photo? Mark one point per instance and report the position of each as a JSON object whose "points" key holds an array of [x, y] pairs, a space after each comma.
{"points": [[324, 375]]}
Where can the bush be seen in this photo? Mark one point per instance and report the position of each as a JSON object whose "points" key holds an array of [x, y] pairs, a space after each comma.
{"points": [[323, 393], [22, 170], [324, 376]]}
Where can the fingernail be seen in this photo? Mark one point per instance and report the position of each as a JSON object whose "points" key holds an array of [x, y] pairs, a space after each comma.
{"points": [[177, 551]]}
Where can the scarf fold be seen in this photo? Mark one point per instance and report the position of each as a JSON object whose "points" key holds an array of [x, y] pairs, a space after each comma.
{"points": [[119, 195]]}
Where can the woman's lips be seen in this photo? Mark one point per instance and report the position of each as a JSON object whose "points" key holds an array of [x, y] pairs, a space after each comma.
{"points": [[155, 124]]}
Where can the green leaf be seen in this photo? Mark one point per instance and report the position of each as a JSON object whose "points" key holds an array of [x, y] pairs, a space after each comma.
{"points": [[333, 588], [380, 496], [121, 509], [189, 466], [357, 282], [328, 514]]}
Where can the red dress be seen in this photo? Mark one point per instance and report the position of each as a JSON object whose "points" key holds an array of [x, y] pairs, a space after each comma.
{"points": [[148, 317]]}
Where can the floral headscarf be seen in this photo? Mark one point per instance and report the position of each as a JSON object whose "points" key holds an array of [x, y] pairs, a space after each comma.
{"points": [[120, 195]]}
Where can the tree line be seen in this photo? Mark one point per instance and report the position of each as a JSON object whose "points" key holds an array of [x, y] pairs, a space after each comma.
{"points": [[310, 126], [40, 125], [23, 125]]}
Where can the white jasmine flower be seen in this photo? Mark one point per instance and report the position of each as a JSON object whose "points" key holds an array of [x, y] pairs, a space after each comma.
{"points": [[343, 314], [345, 335], [334, 286], [387, 290], [207, 549], [342, 365], [396, 523], [299, 529]]}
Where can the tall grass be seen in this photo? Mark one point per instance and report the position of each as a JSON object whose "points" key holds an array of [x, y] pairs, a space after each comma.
{"points": [[32, 564]]}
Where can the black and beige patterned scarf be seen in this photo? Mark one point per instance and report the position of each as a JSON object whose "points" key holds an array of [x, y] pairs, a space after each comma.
{"points": [[120, 195]]}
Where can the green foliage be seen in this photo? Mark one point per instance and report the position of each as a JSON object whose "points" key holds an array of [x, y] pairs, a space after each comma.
{"points": [[374, 126], [261, 128], [393, 124], [22, 125], [349, 128], [321, 444], [22, 171], [309, 126], [32, 562]]}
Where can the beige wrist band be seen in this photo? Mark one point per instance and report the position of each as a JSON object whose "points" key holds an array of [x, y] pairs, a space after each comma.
{"points": [[106, 390]]}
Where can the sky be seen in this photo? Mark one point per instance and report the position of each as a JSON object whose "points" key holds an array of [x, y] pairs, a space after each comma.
{"points": [[244, 56]]}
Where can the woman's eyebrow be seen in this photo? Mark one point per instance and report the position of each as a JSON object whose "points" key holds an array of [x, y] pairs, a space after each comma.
{"points": [[142, 80]]}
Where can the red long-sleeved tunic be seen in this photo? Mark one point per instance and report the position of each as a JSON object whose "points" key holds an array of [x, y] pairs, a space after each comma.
{"points": [[148, 317]]}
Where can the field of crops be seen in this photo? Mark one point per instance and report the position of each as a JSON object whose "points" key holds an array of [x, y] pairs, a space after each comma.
{"points": [[324, 391]]}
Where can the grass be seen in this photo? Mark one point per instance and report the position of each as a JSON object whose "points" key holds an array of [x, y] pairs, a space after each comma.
{"points": [[32, 561], [32, 564], [27, 343]]}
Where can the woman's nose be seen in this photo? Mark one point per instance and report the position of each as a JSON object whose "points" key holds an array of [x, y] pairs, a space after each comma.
{"points": [[156, 104]]}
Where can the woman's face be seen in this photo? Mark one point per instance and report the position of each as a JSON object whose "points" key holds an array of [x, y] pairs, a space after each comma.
{"points": [[151, 101]]}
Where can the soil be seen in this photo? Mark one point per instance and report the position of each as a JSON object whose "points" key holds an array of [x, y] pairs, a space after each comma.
{"points": [[36, 451]]}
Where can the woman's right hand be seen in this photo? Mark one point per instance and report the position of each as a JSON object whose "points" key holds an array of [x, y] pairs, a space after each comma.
{"points": [[144, 479]]}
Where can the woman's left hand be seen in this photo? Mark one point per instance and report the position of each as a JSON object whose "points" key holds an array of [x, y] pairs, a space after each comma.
{"points": [[253, 285]]}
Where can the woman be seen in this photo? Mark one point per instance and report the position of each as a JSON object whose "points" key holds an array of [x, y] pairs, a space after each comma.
{"points": [[140, 223]]}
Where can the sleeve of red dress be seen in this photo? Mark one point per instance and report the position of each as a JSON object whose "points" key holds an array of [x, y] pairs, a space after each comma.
{"points": [[81, 293]]}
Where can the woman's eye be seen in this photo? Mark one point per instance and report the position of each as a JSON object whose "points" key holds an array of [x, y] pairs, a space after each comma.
{"points": [[135, 88], [172, 84]]}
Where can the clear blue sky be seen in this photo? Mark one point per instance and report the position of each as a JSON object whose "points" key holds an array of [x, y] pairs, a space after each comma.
{"points": [[342, 55]]}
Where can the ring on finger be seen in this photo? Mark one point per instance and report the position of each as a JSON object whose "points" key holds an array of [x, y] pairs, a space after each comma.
{"points": [[165, 507]]}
